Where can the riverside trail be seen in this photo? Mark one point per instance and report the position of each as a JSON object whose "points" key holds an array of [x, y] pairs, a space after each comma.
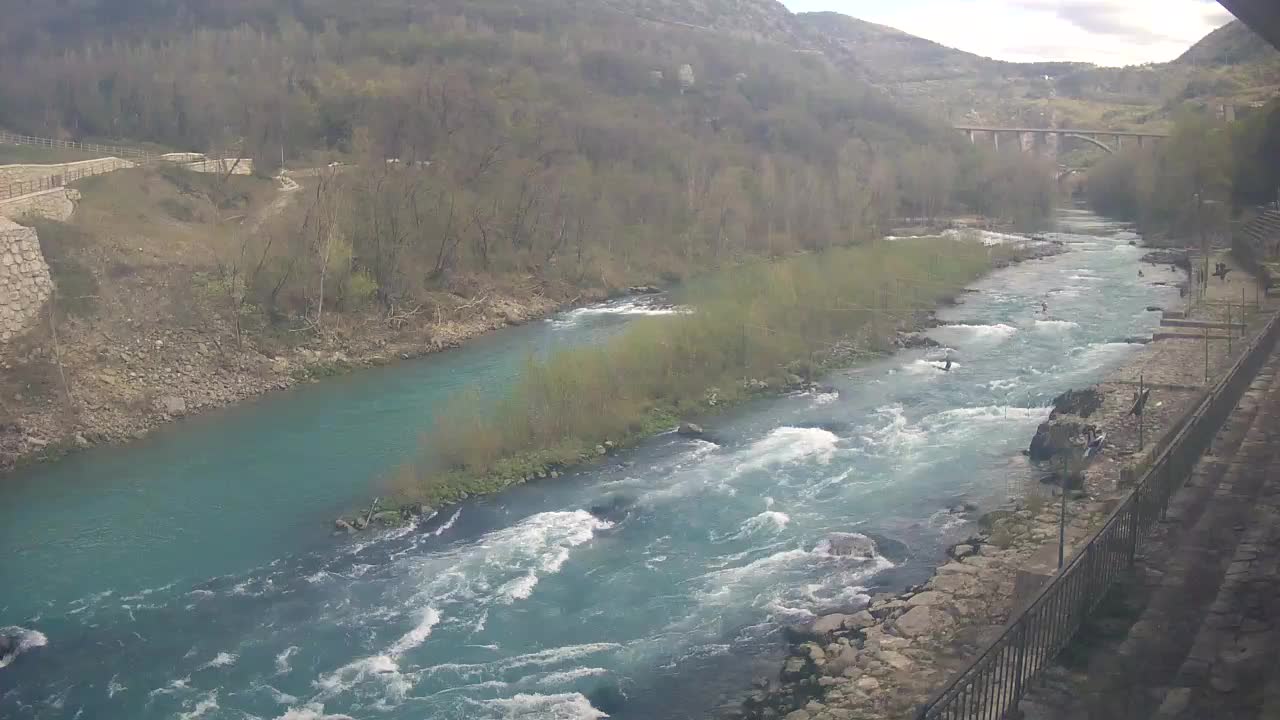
{"points": [[184, 576]]}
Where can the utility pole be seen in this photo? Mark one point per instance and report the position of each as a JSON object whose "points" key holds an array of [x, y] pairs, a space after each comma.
{"points": [[1141, 412], [1206, 355]]}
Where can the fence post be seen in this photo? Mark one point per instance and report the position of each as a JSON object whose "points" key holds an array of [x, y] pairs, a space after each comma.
{"points": [[1134, 514]]}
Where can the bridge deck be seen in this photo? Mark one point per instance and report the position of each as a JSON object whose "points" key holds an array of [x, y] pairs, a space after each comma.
{"points": [[1065, 131]]}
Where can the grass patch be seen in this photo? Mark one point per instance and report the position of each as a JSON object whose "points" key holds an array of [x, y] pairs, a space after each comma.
{"points": [[76, 284], [748, 327], [30, 155]]}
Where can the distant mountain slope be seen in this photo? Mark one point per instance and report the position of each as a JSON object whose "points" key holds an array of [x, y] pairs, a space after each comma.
{"points": [[1231, 44]]}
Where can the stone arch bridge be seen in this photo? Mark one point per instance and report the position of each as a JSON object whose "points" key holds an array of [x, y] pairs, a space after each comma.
{"points": [[1033, 139]]}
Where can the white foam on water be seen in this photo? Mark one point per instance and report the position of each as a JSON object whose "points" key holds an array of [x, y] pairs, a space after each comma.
{"points": [[986, 237], [114, 686], [27, 640], [173, 687], [311, 711], [787, 445], [206, 703], [1056, 325], [222, 659], [820, 399], [518, 589], [986, 413], [379, 668], [565, 677], [415, 637], [897, 434], [279, 696], [444, 526], [623, 309], [1097, 355], [542, 658], [767, 521], [565, 706], [930, 368], [962, 333]]}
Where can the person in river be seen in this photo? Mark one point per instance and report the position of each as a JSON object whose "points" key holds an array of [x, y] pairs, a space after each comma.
{"points": [[947, 367], [1140, 273], [1044, 308]]}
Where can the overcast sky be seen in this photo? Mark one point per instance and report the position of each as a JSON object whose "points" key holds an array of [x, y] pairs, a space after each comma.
{"points": [[1106, 32]]}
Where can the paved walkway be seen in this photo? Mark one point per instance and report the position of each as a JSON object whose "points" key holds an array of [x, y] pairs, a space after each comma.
{"points": [[1195, 632]]}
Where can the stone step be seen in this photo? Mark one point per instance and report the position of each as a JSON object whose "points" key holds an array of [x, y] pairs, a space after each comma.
{"points": [[1231, 662]]}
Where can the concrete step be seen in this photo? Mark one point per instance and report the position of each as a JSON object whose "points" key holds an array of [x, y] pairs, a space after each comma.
{"points": [[1186, 566], [1232, 661]]}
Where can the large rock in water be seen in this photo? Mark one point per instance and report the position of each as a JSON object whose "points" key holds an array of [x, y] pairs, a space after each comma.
{"points": [[1065, 423], [852, 545]]}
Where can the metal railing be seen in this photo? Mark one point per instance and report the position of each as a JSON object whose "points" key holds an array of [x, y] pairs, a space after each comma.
{"points": [[7, 138], [997, 679], [19, 188]]}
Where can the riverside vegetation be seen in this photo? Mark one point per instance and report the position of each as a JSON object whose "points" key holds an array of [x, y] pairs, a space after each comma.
{"points": [[747, 330], [1195, 181]]}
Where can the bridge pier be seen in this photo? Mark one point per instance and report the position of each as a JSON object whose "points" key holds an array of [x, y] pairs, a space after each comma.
{"points": [[1028, 141]]}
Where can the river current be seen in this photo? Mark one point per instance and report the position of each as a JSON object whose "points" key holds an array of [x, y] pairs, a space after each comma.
{"points": [[191, 575]]}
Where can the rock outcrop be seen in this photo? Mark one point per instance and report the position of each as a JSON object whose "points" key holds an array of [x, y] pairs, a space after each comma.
{"points": [[1066, 424]]}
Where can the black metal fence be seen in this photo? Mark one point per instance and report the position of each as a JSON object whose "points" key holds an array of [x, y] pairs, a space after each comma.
{"points": [[997, 679]]}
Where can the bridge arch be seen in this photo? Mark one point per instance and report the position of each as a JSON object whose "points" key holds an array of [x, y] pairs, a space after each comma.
{"points": [[1095, 141]]}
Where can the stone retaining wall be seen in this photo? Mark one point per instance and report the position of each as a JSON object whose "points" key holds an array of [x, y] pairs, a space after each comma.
{"points": [[56, 204], [30, 173], [24, 279]]}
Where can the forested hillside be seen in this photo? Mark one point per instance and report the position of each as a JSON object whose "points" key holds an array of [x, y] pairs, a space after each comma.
{"points": [[562, 139]]}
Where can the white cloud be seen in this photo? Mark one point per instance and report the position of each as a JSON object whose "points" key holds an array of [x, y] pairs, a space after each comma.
{"points": [[1106, 32]]}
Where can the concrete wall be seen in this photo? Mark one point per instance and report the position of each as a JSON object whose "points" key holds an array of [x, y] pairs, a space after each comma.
{"points": [[24, 279]]}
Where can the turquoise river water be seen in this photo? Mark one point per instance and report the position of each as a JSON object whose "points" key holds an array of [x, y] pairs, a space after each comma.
{"points": [[192, 575]]}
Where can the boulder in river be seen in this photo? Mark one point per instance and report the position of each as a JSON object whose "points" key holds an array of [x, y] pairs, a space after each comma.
{"points": [[613, 508], [854, 545], [1065, 423], [690, 430], [8, 645], [915, 340]]}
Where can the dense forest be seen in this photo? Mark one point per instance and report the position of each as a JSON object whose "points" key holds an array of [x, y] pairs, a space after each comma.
{"points": [[1196, 179], [557, 139]]}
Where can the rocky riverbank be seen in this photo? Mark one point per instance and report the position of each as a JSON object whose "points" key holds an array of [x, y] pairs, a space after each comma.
{"points": [[886, 659], [119, 387]]}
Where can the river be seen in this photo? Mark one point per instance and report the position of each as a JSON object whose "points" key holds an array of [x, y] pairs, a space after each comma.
{"points": [[192, 575]]}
